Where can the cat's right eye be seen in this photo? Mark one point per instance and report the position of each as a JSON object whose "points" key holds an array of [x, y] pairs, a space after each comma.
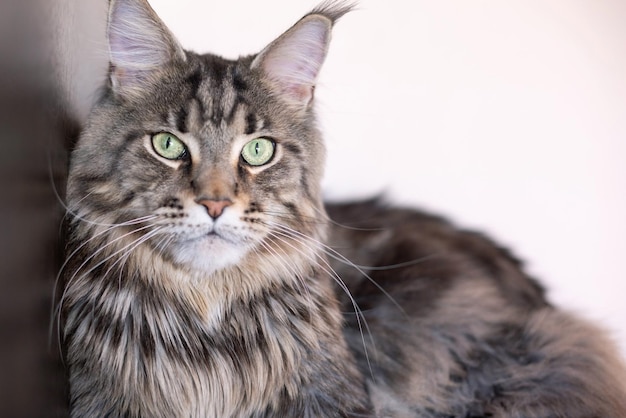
{"points": [[258, 152], [168, 146]]}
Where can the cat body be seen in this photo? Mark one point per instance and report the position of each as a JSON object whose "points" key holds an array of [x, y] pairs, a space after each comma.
{"points": [[203, 277], [468, 333]]}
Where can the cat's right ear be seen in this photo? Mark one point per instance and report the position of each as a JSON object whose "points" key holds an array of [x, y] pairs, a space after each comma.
{"points": [[139, 44]]}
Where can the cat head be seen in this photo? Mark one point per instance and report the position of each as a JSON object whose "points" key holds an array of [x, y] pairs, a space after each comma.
{"points": [[200, 160]]}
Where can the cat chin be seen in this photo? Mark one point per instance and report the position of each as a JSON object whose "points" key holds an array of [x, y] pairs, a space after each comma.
{"points": [[209, 254]]}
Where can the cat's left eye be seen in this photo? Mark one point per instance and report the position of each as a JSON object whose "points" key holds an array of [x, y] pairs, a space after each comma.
{"points": [[168, 146], [258, 152]]}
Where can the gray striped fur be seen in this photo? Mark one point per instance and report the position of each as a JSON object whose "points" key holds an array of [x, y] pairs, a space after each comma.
{"points": [[169, 311]]}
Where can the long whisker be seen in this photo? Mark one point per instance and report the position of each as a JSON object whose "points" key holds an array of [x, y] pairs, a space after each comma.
{"points": [[321, 219], [135, 221], [69, 211], [299, 218], [284, 215], [340, 257], [163, 244], [332, 273], [394, 266], [328, 269], [128, 249], [93, 255], [328, 219], [286, 264], [99, 250]]}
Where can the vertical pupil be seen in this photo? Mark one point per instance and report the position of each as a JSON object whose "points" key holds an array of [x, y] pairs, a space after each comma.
{"points": [[257, 145], [168, 142]]}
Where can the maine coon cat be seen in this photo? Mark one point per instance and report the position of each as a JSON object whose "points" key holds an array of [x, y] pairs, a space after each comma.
{"points": [[205, 277]]}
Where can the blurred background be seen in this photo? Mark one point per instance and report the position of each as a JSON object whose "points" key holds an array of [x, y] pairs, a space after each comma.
{"points": [[507, 117], [34, 128]]}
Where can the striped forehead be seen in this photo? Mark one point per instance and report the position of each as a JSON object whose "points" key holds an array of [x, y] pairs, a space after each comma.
{"points": [[216, 99]]}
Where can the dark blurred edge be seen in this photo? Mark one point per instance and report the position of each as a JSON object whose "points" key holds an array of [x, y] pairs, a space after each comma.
{"points": [[36, 130]]}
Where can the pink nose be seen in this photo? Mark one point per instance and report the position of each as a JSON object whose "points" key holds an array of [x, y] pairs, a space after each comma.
{"points": [[215, 208]]}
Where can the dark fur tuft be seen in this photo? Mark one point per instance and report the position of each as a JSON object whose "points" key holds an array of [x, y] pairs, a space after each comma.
{"points": [[333, 9]]}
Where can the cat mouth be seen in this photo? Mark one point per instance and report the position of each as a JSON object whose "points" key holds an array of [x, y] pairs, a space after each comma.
{"points": [[203, 237], [215, 236], [212, 235]]}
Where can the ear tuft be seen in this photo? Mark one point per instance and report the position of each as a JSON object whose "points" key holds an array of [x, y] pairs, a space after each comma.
{"points": [[139, 45], [292, 62]]}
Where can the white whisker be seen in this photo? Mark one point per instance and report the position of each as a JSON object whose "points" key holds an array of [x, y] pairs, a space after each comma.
{"points": [[331, 252], [286, 264], [127, 251], [54, 307], [328, 219], [93, 255], [90, 222], [332, 273]]}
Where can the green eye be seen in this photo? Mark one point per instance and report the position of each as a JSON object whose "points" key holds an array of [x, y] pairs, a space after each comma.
{"points": [[258, 151], [168, 146]]}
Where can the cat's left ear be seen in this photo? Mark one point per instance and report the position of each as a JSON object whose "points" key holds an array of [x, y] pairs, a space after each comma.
{"points": [[292, 62], [140, 45]]}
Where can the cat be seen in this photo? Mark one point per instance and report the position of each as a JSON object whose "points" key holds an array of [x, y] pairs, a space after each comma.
{"points": [[206, 277]]}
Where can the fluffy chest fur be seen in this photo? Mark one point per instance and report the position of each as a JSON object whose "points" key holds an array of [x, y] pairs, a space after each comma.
{"points": [[166, 352]]}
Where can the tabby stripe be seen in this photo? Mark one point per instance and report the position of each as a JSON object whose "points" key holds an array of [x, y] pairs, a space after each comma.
{"points": [[304, 183], [147, 340], [251, 123], [292, 208], [217, 72], [201, 108], [132, 136], [243, 173], [239, 86], [181, 120], [218, 68], [112, 167], [194, 80], [293, 148], [238, 82], [127, 198]]}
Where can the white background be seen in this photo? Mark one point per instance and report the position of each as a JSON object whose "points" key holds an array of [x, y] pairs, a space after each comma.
{"points": [[507, 116]]}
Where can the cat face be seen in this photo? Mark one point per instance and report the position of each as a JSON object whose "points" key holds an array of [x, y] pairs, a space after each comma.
{"points": [[201, 160]]}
